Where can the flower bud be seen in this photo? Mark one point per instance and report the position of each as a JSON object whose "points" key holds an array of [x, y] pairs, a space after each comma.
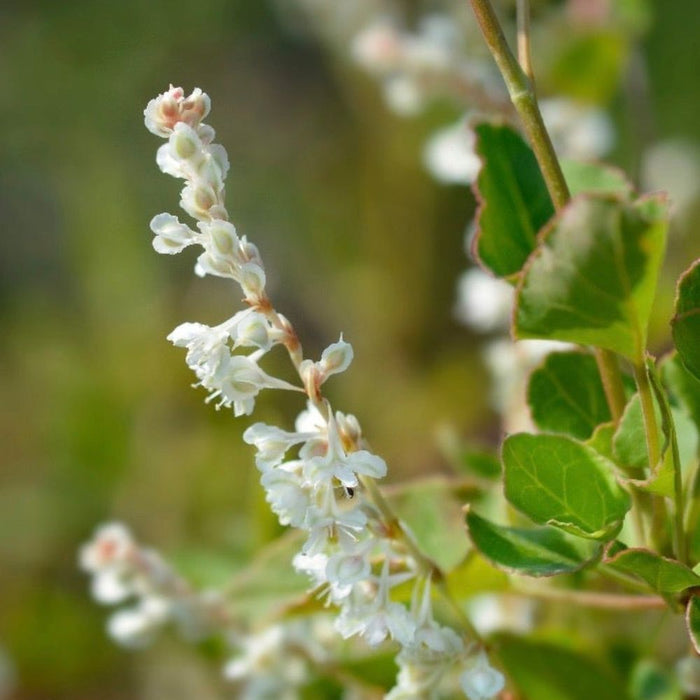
{"points": [[252, 278], [253, 330], [184, 143], [223, 237], [335, 358], [171, 236]]}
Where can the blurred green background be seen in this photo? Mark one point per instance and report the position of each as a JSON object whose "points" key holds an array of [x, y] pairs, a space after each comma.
{"points": [[97, 418]]}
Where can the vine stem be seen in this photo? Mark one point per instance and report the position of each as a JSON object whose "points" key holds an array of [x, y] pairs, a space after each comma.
{"points": [[519, 82], [594, 599], [524, 57], [522, 94]]}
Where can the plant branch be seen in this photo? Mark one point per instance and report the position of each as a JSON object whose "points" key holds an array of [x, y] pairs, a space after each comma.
{"points": [[609, 370], [522, 94], [593, 599], [524, 57]]}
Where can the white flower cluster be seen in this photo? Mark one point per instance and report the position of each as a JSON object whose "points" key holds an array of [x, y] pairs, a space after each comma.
{"points": [[122, 570], [484, 303], [415, 67], [354, 553]]}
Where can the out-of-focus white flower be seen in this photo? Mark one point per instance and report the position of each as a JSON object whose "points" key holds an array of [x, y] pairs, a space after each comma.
{"points": [[449, 154], [491, 613], [378, 48], [688, 672], [510, 365], [403, 95], [577, 131], [136, 627], [673, 166], [483, 303], [111, 547], [480, 681]]}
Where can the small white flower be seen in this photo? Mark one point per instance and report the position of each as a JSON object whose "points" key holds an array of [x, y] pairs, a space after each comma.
{"points": [[577, 131], [336, 464], [481, 681], [285, 493], [484, 303], [136, 627], [272, 443], [165, 111], [171, 236], [239, 380], [449, 154], [198, 199], [335, 358], [403, 95], [378, 48], [111, 546]]}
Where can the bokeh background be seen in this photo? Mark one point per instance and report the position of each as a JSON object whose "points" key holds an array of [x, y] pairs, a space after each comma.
{"points": [[97, 420]]}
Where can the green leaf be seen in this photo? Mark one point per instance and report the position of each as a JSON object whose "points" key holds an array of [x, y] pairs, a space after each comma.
{"points": [[514, 202], [591, 177], [602, 440], [651, 681], [565, 395], [629, 442], [692, 622], [559, 481], [592, 278], [686, 321], [541, 551], [662, 575], [546, 671], [683, 385]]}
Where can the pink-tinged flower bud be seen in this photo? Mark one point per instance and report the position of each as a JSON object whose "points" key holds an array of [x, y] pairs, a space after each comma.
{"points": [[165, 111], [335, 358]]}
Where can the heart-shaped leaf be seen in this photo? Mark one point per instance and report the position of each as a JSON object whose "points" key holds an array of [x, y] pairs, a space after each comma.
{"points": [[565, 395], [686, 321], [665, 576], [557, 480], [592, 278], [513, 200], [541, 551]]}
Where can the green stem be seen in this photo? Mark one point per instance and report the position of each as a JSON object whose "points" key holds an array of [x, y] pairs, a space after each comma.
{"points": [[524, 58], [651, 432], [651, 428], [612, 382], [522, 94]]}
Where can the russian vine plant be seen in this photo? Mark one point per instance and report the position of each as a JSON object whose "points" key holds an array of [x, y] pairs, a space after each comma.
{"points": [[602, 491]]}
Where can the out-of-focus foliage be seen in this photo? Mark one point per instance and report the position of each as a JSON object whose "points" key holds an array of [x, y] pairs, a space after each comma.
{"points": [[97, 420]]}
